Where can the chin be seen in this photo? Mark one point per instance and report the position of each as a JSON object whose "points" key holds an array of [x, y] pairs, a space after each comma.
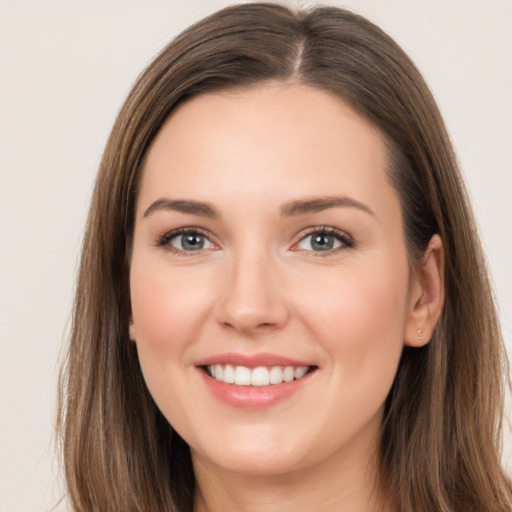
{"points": [[253, 455], [260, 464]]}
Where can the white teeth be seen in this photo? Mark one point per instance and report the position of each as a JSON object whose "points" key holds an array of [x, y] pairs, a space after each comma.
{"points": [[300, 372], [288, 374], [260, 376], [242, 376], [228, 375], [276, 375]]}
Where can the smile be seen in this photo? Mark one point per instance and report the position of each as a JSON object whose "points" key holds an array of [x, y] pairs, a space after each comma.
{"points": [[255, 381], [260, 376]]}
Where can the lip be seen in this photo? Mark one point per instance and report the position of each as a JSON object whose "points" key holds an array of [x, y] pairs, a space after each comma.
{"points": [[252, 360], [251, 397]]}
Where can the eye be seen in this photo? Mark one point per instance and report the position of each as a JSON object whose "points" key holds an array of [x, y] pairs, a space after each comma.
{"points": [[186, 240], [324, 240], [190, 242]]}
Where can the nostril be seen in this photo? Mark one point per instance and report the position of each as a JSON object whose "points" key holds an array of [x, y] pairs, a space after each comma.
{"points": [[251, 328], [265, 325]]}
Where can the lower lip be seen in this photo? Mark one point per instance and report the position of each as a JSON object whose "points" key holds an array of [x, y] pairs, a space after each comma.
{"points": [[254, 397]]}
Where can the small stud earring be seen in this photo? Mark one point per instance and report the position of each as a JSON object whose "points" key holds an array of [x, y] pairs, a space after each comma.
{"points": [[420, 334]]}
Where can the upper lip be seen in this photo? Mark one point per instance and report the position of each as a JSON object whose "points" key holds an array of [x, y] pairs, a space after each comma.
{"points": [[252, 360]]}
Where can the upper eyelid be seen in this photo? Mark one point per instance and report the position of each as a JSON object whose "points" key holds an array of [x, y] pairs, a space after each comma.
{"points": [[169, 235], [325, 229]]}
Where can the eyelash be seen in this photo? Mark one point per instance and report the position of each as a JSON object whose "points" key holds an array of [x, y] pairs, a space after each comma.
{"points": [[344, 238], [347, 242], [164, 240]]}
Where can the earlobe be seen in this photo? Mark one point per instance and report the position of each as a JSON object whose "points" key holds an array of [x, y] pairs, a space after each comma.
{"points": [[131, 329], [426, 295]]}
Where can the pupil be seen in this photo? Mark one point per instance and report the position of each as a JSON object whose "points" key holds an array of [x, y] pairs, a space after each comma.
{"points": [[322, 242], [192, 242]]}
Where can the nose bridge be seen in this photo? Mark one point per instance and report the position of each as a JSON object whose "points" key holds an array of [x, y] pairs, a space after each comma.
{"points": [[252, 299]]}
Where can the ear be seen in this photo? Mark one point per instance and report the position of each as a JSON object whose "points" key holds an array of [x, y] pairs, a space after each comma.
{"points": [[131, 329], [426, 295]]}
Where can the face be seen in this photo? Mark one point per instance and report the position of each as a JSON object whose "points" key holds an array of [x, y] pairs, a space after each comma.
{"points": [[270, 284]]}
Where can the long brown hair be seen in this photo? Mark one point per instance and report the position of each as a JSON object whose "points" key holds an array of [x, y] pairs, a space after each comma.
{"points": [[442, 426]]}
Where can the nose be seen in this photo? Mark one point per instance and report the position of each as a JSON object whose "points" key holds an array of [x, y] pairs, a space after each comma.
{"points": [[252, 300]]}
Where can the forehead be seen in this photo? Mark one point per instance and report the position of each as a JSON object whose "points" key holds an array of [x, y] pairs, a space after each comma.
{"points": [[273, 141]]}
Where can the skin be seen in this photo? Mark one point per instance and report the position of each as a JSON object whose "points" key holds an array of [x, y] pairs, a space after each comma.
{"points": [[258, 286]]}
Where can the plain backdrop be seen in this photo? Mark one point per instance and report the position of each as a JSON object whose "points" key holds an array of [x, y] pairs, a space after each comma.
{"points": [[65, 68]]}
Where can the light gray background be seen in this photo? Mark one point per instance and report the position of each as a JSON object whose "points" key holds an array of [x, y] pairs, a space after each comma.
{"points": [[65, 68]]}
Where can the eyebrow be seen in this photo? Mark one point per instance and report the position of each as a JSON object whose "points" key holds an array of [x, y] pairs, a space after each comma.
{"points": [[318, 204], [293, 208], [184, 206]]}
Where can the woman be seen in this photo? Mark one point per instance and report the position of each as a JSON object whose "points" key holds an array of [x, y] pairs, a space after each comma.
{"points": [[282, 300]]}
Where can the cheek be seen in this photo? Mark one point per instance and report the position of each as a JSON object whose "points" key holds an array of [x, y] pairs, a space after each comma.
{"points": [[168, 310], [166, 313], [358, 313], [167, 306]]}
